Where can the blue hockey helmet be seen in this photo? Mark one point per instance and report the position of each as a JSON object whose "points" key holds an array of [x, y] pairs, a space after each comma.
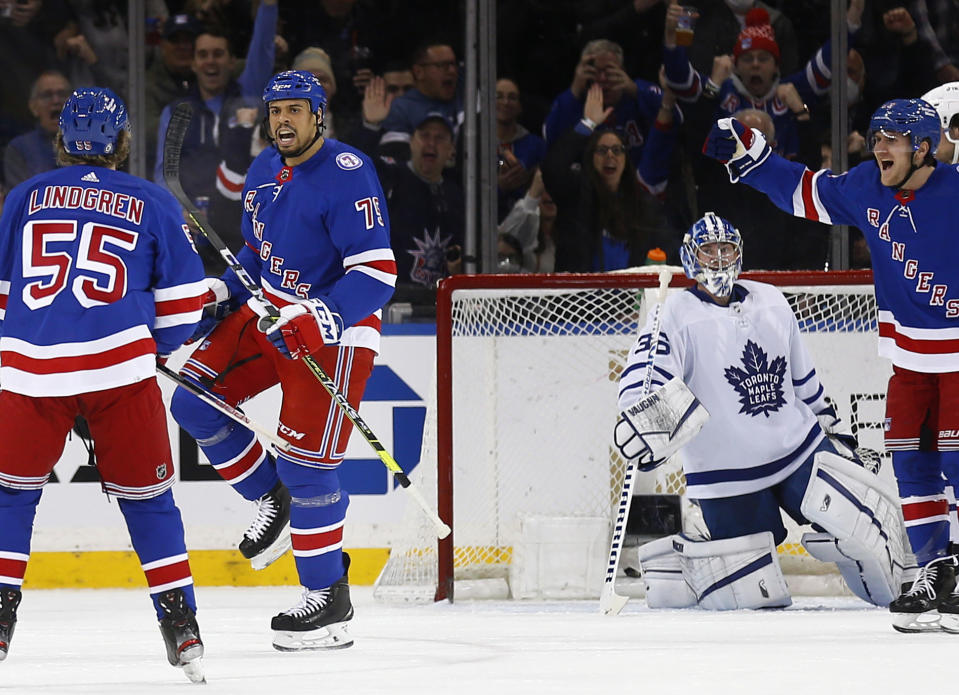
{"points": [[717, 272], [91, 121], [913, 117], [296, 84]]}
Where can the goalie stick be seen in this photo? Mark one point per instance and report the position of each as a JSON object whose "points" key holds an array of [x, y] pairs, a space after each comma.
{"points": [[176, 131], [233, 413], [611, 603]]}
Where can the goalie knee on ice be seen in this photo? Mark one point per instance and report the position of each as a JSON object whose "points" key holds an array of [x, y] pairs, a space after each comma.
{"points": [[863, 524], [727, 574]]}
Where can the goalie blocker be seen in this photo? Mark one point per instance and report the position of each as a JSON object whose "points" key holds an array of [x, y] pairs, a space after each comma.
{"points": [[656, 427], [863, 537]]}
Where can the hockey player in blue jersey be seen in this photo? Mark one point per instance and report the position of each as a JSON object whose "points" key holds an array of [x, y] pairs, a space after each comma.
{"points": [[317, 238], [900, 201], [732, 384], [98, 276]]}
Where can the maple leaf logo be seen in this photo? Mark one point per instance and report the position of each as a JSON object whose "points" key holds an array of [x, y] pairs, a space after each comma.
{"points": [[759, 383]]}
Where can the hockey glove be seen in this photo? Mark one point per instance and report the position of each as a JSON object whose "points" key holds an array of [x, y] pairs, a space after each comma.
{"points": [[740, 148], [216, 307], [302, 329], [656, 427], [845, 442]]}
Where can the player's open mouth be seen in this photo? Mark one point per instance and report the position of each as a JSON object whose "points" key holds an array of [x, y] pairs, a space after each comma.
{"points": [[885, 164], [285, 136]]}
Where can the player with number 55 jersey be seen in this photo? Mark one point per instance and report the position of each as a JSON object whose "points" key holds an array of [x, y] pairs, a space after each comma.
{"points": [[317, 238], [98, 276]]}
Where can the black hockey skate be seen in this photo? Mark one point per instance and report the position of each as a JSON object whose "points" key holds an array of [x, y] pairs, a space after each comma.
{"points": [[916, 610], [268, 537], [9, 600], [319, 620], [181, 635]]}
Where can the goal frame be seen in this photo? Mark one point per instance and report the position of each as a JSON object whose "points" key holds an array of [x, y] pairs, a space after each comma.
{"points": [[558, 281]]}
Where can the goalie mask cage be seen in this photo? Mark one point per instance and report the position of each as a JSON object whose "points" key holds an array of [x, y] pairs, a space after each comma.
{"points": [[526, 400]]}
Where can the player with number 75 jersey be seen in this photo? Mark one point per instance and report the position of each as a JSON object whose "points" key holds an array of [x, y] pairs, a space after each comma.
{"points": [[317, 240]]}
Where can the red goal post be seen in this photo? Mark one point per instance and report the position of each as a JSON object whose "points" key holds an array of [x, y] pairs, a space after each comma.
{"points": [[516, 353]]}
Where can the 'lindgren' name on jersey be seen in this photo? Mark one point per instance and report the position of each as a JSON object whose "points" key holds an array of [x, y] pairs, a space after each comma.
{"points": [[121, 205]]}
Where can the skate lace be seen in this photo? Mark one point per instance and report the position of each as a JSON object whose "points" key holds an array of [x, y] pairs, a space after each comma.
{"points": [[310, 602], [267, 509], [925, 580]]}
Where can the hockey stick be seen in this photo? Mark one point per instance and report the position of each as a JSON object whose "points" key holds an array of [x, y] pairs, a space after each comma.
{"points": [[224, 407], [611, 603], [176, 131]]}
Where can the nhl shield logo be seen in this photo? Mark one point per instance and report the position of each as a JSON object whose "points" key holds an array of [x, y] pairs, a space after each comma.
{"points": [[161, 471]]}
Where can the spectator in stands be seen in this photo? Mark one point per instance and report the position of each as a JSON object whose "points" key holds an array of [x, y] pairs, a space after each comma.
{"points": [[216, 96], [606, 220], [398, 78], [238, 15], [629, 105], [530, 224], [749, 78], [938, 22], [437, 90], [32, 153], [520, 152], [897, 57], [97, 41], [28, 35], [170, 76], [720, 24], [427, 210], [354, 33], [801, 245], [316, 61], [637, 26]]}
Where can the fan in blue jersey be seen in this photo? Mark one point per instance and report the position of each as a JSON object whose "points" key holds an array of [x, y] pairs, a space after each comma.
{"points": [[730, 382], [97, 277], [317, 239], [900, 201]]}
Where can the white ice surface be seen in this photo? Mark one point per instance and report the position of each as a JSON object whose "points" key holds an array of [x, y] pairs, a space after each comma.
{"points": [[106, 641]]}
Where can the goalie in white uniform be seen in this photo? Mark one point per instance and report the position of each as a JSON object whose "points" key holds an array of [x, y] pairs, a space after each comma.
{"points": [[732, 383]]}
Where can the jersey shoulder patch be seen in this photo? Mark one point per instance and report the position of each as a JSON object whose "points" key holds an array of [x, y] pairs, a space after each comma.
{"points": [[348, 161]]}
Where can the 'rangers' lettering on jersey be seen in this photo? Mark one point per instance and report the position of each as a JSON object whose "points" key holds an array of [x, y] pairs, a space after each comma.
{"points": [[323, 233], [912, 241]]}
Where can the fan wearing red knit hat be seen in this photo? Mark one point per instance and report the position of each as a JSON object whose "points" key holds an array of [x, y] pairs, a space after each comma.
{"points": [[750, 77], [756, 54]]}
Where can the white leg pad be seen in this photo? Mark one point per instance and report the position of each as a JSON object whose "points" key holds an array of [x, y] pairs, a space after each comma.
{"points": [[662, 570], [863, 517], [741, 572], [865, 577]]}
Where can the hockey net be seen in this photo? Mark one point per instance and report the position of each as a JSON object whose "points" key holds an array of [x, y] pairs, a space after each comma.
{"points": [[522, 420]]}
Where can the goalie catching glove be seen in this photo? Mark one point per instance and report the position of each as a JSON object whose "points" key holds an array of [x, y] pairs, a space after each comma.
{"points": [[302, 329], [845, 442], [654, 428], [740, 148]]}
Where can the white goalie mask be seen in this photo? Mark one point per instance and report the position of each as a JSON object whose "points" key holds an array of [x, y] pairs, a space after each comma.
{"points": [[945, 100], [712, 254]]}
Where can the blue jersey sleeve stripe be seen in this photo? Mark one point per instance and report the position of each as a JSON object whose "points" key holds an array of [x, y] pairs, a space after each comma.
{"points": [[815, 397]]}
